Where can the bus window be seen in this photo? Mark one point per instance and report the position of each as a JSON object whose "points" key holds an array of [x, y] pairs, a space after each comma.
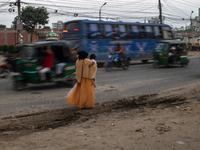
{"points": [[149, 32], [135, 32], [71, 26], [109, 31], [142, 32], [157, 34], [122, 32], [93, 31], [167, 33]]}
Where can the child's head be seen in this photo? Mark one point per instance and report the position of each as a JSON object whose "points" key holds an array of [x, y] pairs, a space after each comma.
{"points": [[92, 56]]}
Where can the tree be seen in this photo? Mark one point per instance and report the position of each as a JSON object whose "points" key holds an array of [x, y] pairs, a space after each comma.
{"points": [[31, 17], [14, 23], [2, 26]]}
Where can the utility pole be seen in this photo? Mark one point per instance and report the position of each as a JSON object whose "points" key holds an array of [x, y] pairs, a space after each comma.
{"points": [[19, 20], [160, 12], [191, 23]]}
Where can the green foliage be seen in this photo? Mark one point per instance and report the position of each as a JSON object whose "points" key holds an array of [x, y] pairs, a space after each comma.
{"points": [[15, 22], [2, 26], [46, 27], [31, 17], [10, 49], [0, 48], [4, 48]]}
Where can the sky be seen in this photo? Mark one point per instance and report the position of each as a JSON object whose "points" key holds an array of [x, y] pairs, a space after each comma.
{"points": [[114, 10]]}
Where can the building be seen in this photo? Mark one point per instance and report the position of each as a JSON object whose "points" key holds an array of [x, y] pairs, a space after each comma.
{"points": [[58, 25]]}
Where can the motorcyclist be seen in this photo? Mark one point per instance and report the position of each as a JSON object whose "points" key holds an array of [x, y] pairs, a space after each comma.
{"points": [[119, 50]]}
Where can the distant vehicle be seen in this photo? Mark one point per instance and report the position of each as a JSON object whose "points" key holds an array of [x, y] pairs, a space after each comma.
{"points": [[178, 36], [100, 37], [170, 52], [8, 65], [192, 43]]}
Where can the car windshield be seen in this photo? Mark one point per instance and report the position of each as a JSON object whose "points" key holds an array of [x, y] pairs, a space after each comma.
{"points": [[161, 46], [27, 52]]}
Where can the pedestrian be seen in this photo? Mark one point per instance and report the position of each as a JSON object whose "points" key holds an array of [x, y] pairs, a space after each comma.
{"points": [[92, 58], [82, 94]]}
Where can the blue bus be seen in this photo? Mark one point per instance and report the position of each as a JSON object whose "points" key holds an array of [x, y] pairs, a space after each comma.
{"points": [[101, 37]]}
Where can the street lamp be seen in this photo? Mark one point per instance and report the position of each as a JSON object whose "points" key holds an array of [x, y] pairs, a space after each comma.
{"points": [[191, 22], [100, 11]]}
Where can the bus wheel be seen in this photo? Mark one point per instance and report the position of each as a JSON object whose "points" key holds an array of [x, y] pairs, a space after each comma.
{"points": [[155, 65], [18, 85], [108, 66], [144, 61]]}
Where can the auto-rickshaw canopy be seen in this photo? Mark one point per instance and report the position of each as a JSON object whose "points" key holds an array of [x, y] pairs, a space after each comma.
{"points": [[165, 45], [61, 49]]}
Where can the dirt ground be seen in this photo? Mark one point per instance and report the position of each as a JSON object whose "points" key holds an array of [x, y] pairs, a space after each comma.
{"points": [[169, 120]]}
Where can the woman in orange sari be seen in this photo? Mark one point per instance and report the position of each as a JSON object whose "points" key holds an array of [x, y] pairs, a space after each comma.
{"points": [[82, 94]]}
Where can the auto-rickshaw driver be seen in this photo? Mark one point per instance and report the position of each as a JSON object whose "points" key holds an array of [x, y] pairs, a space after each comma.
{"points": [[171, 54]]}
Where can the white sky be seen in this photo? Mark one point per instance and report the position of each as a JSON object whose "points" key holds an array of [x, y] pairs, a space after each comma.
{"points": [[126, 10]]}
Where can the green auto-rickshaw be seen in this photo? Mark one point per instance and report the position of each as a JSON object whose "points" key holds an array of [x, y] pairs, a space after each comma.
{"points": [[32, 56], [170, 52]]}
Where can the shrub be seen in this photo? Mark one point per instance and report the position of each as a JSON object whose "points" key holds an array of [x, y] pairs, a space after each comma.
{"points": [[0, 48], [10, 49], [46, 27], [4, 48], [2, 26]]}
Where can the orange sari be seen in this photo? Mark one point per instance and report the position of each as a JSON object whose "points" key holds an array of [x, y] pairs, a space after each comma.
{"points": [[82, 94]]}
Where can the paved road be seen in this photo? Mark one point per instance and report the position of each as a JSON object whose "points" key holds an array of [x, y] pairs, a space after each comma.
{"points": [[139, 79]]}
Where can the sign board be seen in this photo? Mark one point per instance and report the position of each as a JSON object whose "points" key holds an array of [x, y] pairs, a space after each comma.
{"points": [[19, 25]]}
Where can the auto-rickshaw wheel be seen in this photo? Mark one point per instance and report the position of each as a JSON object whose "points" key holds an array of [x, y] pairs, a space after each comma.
{"points": [[155, 65], [18, 85], [183, 64], [4, 73]]}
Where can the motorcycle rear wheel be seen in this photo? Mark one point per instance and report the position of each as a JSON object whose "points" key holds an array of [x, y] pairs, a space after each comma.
{"points": [[126, 64], [108, 66]]}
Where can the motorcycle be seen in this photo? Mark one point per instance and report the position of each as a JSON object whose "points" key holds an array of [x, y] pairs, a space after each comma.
{"points": [[114, 61], [7, 66]]}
